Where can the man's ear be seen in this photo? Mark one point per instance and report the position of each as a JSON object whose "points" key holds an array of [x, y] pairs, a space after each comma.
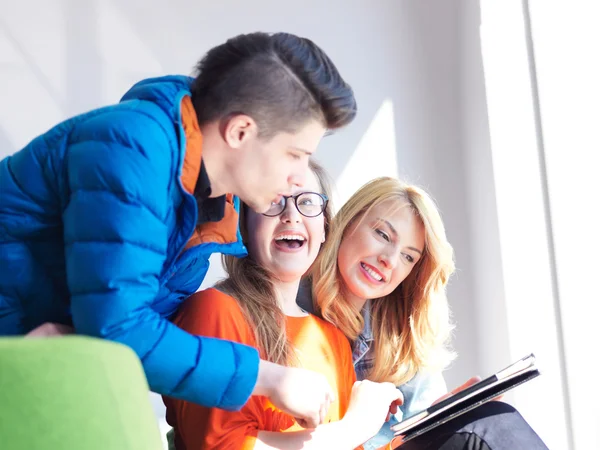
{"points": [[239, 129]]}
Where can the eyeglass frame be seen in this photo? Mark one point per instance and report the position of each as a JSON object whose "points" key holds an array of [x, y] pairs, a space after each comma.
{"points": [[295, 197]]}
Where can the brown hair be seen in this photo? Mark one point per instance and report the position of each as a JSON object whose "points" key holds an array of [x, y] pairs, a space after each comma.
{"points": [[280, 80], [250, 284]]}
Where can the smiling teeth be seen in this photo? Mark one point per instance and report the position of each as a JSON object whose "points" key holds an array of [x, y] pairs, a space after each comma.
{"points": [[289, 237], [372, 272]]}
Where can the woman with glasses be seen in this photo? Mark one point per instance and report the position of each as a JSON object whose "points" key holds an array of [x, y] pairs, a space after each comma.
{"points": [[256, 306]]}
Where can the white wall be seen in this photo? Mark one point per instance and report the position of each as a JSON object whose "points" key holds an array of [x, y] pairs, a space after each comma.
{"points": [[512, 276], [541, 90], [416, 67], [568, 95]]}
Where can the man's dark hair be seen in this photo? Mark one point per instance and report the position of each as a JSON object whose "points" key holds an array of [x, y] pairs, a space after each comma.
{"points": [[280, 80]]}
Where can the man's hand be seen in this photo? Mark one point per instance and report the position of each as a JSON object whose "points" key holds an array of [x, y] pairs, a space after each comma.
{"points": [[370, 404], [49, 329], [304, 394]]}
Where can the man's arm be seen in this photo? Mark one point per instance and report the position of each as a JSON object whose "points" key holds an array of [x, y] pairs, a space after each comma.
{"points": [[115, 246]]}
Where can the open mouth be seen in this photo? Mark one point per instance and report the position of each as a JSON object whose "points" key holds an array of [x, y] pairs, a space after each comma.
{"points": [[290, 241]]}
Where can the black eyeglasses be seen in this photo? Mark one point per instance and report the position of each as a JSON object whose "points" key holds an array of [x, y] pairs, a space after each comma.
{"points": [[309, 204]]}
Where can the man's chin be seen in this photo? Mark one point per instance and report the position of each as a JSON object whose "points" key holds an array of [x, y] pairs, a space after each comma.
{"points": [[257, 207]]}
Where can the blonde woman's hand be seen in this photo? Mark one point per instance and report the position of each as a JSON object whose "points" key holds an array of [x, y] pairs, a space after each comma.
{"points": [[370, 405], [470, 382]]}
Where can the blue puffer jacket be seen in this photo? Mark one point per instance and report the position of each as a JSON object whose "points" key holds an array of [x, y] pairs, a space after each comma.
{"points": [[94, 221]]}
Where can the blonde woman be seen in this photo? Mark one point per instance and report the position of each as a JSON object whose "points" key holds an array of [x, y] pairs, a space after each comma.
{"points": [[381, 278], [256, 306]]}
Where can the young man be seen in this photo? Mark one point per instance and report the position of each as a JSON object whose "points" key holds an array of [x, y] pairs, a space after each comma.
{"points": [[108, 219]]}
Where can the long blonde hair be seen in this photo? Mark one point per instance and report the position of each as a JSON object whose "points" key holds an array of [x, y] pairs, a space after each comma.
{"points": [[250, 284], [411, 325]]}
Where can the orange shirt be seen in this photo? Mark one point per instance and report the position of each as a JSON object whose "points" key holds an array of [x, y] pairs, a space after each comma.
{"points": [[319, 346]]}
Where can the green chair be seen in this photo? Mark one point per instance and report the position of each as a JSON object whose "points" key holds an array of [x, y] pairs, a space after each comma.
{"points": [[73, 393]]}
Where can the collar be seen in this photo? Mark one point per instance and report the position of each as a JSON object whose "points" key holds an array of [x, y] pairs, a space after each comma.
{"points": [[223, 210], [209, 209], [367, 333]]}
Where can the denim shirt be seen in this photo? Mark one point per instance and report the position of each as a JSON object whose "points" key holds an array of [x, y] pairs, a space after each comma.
{"points": [[362, 355], [419, 393]]}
